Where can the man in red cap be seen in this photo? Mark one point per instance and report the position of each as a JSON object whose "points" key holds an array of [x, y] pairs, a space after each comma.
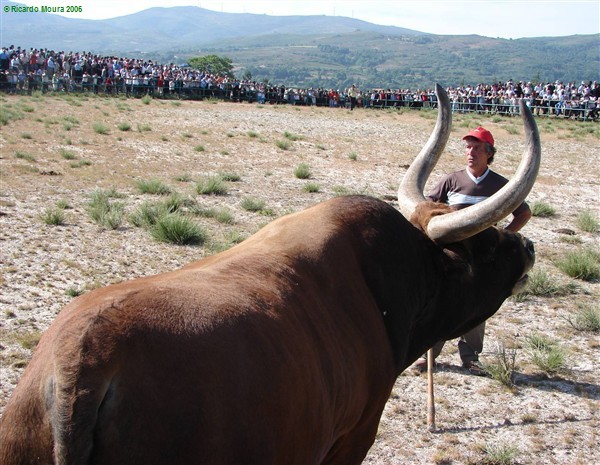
{"points": [[460, 189]]}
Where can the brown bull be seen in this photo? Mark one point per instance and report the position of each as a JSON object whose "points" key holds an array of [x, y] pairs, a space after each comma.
{"points": [[282, 350]]}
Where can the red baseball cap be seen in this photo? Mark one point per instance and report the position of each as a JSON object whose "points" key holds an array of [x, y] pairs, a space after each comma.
{"points": [[481, 134]]}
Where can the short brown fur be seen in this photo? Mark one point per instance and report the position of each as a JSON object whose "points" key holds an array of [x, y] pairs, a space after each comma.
{"points": [[281, 350]]}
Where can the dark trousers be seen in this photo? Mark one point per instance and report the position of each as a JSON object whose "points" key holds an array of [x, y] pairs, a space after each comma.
{"points": [[470, 345]]}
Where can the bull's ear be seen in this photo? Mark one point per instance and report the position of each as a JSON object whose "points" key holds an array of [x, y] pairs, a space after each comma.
{"points": [[459, 259]]}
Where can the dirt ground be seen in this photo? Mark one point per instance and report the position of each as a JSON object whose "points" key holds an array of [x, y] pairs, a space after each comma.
{"points": [[60, 149]]}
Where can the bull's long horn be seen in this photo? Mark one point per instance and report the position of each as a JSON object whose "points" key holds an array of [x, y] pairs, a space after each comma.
{"points": [[411, 188], [459, 225]]}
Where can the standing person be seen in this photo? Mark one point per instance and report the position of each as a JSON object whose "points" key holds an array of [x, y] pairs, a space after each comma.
{"points": [[50, 67], [460, 189], [4, 60], [352, 93], [33, 60]]}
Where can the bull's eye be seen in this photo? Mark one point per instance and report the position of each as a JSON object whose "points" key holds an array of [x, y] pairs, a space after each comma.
{"points": [[530, 248]]}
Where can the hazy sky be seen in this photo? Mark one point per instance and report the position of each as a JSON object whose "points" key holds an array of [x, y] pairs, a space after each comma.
{"points": [[492, 18]]}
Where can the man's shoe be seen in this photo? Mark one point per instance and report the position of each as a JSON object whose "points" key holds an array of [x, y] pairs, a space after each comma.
{"points": [[475, 368], [420, 366]]}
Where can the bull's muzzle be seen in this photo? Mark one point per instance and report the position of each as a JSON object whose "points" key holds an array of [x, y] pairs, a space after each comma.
{"points": [[529, 262]]}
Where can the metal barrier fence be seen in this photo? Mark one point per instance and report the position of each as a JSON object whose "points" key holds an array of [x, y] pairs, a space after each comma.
{"points": [[578, 110], [575, 109]]}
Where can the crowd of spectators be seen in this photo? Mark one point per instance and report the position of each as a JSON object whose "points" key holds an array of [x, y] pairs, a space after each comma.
{"points": [[26, 71]]}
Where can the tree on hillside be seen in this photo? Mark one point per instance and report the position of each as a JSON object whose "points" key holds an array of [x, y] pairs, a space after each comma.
{"points": [[213, 64]]}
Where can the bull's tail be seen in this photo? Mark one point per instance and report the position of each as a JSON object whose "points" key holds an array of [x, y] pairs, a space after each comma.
{"points": [[52, 414], [73, 415], [42, 425]]}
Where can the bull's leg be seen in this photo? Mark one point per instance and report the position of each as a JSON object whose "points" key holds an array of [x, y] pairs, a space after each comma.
{"points": [[352, 448]]}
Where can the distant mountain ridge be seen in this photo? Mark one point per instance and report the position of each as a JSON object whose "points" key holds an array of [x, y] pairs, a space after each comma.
{"points": [[159, 29], [311, 51]]}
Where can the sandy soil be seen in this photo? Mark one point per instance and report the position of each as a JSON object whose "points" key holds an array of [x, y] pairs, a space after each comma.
{"points": [[544, 418]]}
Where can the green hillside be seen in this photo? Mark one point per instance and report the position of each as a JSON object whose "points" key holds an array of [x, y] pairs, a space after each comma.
{"points": [[373, 60]]}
